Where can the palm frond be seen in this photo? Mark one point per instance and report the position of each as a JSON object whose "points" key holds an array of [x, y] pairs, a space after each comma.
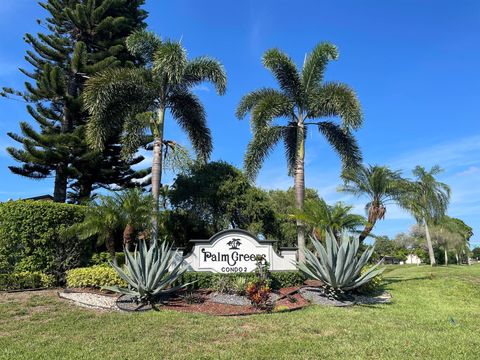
{"points": [[143, 44], [111, 97], [336, 99], [315, 63], [271, 106], [187, 109], [259, 147], [426, 198], [170, 60], [206, 69], [134, 133], [251, 99], [343, 143], [285, 72], [290, 143]]}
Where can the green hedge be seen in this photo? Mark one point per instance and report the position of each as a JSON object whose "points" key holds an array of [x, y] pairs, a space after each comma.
{"points": [[30, 237], [104, 258], [25, 280], [94, 276], [280, 279]]}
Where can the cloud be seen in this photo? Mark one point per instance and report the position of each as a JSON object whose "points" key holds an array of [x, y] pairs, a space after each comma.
{"points": [[471, 170], [457, 153]]}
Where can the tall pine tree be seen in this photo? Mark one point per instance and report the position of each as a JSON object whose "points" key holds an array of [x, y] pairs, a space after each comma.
{"points": [[83, 38]]}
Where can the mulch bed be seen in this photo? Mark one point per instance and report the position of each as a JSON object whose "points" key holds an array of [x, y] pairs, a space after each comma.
{"points": [[288, 299]]}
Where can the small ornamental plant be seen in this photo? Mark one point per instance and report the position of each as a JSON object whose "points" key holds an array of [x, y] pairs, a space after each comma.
{"points": [[258, 291], [258, 294]]}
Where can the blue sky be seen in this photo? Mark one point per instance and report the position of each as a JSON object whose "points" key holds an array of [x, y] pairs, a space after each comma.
{"points": [[414, 65]]}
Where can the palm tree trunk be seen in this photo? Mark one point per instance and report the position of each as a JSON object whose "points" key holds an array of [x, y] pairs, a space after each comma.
{"points": [[445, 254], [157, 168], [299, 185], [368, 228], [457, 257], [429, 244], [128, 234], [110, 245]]}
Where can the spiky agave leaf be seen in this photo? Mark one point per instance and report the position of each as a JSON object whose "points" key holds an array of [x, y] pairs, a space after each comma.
{"points": [[149, 272], [337, 265]]}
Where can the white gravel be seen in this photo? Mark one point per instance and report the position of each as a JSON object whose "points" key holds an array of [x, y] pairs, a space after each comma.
{"points": [[233, 299], [90, 300], [229, 299]]}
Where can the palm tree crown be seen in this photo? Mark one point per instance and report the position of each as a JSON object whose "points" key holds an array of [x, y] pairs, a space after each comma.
{"points": [[326, 218], [134, 101], [303, 98], [427, 200], [381, 185]]}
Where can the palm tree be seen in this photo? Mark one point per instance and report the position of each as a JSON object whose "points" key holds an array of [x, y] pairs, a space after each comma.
{"points": [[135, 211], [302, 100], [324, 218], [102, 220], [381, 185], [134, 101], [459, 235], [427, 200], [127, 211]]}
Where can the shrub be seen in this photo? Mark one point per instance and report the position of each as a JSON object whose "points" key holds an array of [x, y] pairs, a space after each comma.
{"points": [[285, 279], [259, 294], [223, 284], [31, 240], [239, 285], [207, 280], [25, 280], [95, 276], [258, 291], [104, 258], [373, 286]]}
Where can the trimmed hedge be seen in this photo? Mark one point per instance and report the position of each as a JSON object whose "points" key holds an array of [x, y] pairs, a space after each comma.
{"points": [[103, 258], [206, 280], [104, 275], [94, 276], [25, 280], [30, 237]]}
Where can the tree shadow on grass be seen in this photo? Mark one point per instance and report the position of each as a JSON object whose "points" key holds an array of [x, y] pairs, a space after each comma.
{"points": [[393, 280]]}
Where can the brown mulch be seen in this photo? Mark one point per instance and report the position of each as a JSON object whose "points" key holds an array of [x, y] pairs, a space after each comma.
{"points": [[289, 300]]}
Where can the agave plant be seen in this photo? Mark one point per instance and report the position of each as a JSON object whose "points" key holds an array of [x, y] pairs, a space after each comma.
{"points": [[150, 272], [338, 266]]}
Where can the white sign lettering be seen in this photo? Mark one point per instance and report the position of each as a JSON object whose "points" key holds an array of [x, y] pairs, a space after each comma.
{"points": [[233, 251]]}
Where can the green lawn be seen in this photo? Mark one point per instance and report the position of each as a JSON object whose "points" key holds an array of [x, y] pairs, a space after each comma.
{"points": [[435, 314]]}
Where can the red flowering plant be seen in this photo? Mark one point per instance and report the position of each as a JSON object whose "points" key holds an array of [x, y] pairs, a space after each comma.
{"points": [[258, 291]]}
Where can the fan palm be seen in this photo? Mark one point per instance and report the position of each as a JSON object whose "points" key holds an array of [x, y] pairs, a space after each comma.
{"points": [[324, 218], [302, 100], [134, 101], [381, 185], [427, 200]]}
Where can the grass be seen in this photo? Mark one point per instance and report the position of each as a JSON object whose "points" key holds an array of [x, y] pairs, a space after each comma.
{"points": [[434, 315]]}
